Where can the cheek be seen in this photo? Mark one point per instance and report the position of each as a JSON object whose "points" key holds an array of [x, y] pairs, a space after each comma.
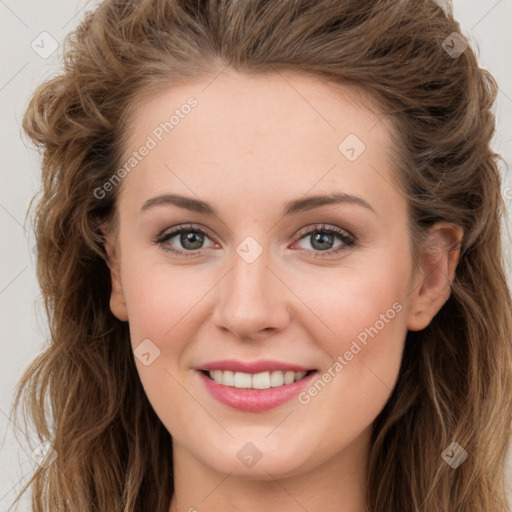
{"points": [[362, 331], [160, 298], [357, 303], [161, 303], [364, 313]]}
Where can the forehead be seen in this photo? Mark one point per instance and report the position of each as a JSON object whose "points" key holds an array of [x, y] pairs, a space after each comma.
{"points": [[259, 136]]}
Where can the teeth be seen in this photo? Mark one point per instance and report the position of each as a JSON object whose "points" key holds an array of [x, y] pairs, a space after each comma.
{"points": [[276, 379], [260, 380], [264, 380], [242, 380]]}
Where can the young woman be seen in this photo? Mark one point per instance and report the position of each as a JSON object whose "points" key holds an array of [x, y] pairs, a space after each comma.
{"points": [[269, 243]]}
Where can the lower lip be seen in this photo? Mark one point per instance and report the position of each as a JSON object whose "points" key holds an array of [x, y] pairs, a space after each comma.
{"points": [[255, 400]]}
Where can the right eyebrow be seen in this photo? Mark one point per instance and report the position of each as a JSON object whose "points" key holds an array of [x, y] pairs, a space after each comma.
{"points": [[188, 203]]}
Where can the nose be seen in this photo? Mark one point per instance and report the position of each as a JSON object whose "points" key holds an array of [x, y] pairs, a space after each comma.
{"points": [[252, 300]]}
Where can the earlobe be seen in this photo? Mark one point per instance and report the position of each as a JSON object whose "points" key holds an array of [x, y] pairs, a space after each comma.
{"points": [[117, 302], [433, 288]]}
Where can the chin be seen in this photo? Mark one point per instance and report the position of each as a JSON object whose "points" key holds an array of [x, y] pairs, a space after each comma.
{"points": [[257, 459]]}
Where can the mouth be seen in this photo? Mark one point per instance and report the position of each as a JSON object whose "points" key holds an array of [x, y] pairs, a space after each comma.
{"points": [[255, 392], [256, 381]]}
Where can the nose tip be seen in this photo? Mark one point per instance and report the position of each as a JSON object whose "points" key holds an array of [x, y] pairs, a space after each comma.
{"points": [[251, 299]]}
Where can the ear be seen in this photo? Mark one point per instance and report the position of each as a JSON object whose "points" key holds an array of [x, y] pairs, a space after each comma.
{"points": [[432, 286], [117, 302]]}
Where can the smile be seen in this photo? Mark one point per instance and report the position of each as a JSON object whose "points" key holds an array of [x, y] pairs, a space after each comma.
{"points": [[263, 380], [241, 391]]}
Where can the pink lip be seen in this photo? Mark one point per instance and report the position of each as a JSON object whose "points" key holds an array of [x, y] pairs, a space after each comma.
{"points": [[255, 400], [252, 367]]}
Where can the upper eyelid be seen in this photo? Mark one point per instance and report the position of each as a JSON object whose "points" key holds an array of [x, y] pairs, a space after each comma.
{"points": [[184, 227], [323, 226]]}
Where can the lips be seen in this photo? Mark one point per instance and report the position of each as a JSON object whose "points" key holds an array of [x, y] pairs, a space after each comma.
{"points": [[253, 367], [254, 386]]}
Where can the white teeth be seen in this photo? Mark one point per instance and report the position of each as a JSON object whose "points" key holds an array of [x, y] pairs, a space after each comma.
{"points": [[289, 377], [242, 380], [261, 380], [227, 378], [264, 380], [276, 379]]}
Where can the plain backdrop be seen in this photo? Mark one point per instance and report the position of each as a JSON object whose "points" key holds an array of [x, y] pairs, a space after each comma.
{"points": [[25, 63]]}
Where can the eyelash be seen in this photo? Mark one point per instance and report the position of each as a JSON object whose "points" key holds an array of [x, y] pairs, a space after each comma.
{"points": [[348, 240]]}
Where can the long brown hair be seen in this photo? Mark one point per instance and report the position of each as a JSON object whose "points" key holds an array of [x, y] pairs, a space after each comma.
{"points": [[455, 383]]}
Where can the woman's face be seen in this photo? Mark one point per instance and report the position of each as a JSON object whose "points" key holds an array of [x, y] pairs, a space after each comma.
{"points": [[256, 279]]}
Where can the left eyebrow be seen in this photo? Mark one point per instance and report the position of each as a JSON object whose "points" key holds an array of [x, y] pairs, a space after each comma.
{"points": [[290, 207], [310, 202]]}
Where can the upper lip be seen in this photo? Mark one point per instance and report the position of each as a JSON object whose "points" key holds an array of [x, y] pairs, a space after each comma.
{"points": [[252, 367]]}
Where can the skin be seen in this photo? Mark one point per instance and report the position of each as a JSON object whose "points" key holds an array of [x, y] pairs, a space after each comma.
{"points": [[251, 144]]}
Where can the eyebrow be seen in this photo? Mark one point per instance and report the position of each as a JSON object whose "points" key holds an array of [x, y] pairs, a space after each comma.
{"points": [[290, 207]]}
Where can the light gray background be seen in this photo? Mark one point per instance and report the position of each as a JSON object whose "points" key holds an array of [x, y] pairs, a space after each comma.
{"points": [[22, 322]]}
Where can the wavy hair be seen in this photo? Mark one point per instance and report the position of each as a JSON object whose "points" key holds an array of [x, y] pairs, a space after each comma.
{"points": [[83, 393]]}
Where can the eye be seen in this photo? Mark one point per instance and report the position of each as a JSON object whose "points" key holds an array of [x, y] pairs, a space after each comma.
{"points": [[322, 239], [190, 237]]}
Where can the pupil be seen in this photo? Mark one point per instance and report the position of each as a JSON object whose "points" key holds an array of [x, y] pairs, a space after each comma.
{"points": [[322, 238], [192, 238]]}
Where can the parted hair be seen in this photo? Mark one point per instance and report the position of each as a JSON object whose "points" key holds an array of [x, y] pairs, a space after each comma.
{"points": [[83, 393]]}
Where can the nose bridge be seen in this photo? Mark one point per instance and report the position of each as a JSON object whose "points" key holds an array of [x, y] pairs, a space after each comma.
{"points": [[252, 298]]}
